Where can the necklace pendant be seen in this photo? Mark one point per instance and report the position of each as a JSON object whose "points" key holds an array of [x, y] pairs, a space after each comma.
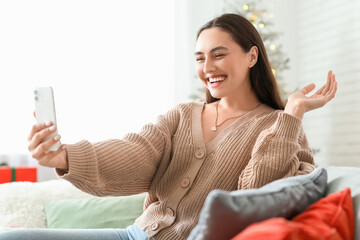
{"points": [[213, 128]]}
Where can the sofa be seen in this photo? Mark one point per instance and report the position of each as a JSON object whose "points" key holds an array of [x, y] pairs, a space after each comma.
{"points": [[58, 204]]}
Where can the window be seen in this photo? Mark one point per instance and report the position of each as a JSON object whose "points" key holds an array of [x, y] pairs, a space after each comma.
{"points": [[110, 64]]}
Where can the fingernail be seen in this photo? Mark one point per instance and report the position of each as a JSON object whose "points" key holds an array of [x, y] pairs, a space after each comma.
{"points": [[57, 137], [52, 128], [63, 147], [47, 124]]}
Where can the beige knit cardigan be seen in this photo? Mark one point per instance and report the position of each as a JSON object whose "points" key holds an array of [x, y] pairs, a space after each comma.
{"points": [[171, 161]]}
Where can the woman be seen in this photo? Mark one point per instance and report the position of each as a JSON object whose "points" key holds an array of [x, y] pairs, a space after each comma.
{"points": [[241, 138]]}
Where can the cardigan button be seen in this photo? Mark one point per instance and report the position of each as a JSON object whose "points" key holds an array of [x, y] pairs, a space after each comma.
{"points": [[170, 212], [185, 182], [199, 153], [154, 226]]}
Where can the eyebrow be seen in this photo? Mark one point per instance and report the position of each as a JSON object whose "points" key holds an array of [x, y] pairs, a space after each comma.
{"points": [[212, 50]]}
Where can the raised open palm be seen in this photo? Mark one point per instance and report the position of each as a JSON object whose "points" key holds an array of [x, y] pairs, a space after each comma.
{"points": [[298, 103]]}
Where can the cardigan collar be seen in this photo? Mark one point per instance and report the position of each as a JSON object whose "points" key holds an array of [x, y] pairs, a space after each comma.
{"points": [[197, 132]]}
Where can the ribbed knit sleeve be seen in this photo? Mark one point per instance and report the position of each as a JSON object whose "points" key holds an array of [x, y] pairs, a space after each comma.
{"points": [[280, 151], [121, 166]]}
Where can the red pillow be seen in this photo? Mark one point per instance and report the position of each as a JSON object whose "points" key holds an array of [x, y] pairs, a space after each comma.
{"points": [[332, 217]]}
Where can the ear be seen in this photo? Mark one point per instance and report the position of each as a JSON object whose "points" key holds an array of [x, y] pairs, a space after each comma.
{"points": [[253, 56]]}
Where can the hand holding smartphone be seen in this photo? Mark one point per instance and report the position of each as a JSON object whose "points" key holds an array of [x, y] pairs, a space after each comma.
{"points": [[45, 111]]}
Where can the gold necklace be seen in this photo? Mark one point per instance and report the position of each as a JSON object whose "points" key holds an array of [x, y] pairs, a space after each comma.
{"points": [[214, 128]]}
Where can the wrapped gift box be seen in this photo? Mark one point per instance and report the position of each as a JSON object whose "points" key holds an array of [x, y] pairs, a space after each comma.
{"points": [[18, 174]]}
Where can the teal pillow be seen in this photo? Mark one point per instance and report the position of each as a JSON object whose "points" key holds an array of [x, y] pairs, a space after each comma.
{"points": [[105, 212]]}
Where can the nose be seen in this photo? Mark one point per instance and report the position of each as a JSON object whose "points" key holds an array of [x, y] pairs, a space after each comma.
{"points": [[209, 66]]}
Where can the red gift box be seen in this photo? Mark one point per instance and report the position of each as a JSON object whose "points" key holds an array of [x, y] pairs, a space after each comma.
{"points": [[5, 174], [18, 174]]}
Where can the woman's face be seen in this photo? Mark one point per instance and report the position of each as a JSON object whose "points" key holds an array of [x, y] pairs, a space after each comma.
{"points": [[221, 64]]}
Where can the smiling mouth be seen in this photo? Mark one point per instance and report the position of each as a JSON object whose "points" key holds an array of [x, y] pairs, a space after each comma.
{"points": [[215, 81]]}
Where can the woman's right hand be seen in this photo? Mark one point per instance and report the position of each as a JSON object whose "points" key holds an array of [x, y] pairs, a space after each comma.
{"points": [[38, 148]]}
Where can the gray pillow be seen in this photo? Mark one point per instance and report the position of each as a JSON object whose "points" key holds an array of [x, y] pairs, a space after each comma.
{"points": [[225, 214], [342, 177]]}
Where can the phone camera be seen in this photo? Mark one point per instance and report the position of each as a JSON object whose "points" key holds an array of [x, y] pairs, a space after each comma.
{"points": [[36, 98]]}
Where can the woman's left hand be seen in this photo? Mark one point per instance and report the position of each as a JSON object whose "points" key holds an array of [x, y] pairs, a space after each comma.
{"points": [[298, 103]]}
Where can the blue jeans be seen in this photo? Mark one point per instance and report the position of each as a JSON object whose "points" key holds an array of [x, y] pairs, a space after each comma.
{"points": [[130, 233]]}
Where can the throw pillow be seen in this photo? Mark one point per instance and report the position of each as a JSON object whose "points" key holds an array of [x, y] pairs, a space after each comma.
{"points": [[225, 214], [106, 212], [342, 177], [330, 218]]}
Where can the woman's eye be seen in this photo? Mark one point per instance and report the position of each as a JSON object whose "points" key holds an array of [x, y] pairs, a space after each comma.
{"points": [[219, 55], [198, 59]]}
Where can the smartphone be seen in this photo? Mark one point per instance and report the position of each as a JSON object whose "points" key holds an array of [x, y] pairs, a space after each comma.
{"points": [[45, 111]]}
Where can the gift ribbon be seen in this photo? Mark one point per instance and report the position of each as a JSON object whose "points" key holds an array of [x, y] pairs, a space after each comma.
{"points": [[13, 175]]}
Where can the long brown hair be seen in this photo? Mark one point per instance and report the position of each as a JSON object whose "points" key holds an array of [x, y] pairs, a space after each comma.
{"points": [[262, 79]]}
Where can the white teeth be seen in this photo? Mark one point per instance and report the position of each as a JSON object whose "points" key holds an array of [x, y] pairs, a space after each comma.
{"points": [[218, 79]]}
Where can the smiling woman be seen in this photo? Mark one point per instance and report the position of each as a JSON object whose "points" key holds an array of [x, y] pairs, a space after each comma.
{"points": [[102, 58]]}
